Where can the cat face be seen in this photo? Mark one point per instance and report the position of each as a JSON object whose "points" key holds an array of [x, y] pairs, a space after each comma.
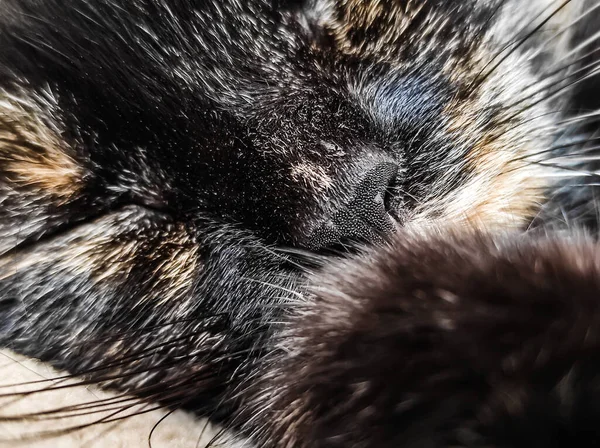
{"points": [[304, 123], [158, 158]]}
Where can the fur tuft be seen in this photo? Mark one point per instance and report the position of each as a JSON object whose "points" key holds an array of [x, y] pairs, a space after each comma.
{"points": [[445, 340]]}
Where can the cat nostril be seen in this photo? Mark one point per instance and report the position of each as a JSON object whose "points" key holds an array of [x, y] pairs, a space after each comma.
{"points": [[374, 190], [368, 216]]}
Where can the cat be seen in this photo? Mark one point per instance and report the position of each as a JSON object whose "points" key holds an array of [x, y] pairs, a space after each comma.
{"points": [[305, 219]]}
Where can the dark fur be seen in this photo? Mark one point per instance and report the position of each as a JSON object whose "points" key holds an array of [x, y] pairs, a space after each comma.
{"points": [[446, 340], [172, 171]]}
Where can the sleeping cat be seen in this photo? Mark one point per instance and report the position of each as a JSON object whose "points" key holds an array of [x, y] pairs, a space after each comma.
{"points": [[305, 219]]}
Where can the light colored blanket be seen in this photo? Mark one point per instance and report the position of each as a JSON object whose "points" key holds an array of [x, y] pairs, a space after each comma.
{"points": [[178, 430]]}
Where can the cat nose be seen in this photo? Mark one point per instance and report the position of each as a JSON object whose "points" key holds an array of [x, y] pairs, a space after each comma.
{"points": [[366, 217]]}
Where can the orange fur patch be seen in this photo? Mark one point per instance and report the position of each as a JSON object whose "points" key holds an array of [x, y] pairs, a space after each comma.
{"points": [[505, 186], [166, 262], [32, 152], [355, 16]]}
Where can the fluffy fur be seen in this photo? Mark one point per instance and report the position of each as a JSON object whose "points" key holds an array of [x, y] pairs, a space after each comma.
{"points": [[175, 175], [445, 340]]}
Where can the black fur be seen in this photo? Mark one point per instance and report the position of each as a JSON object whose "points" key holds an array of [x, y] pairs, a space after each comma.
{"points": [[443, 340], [172, 173]]}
